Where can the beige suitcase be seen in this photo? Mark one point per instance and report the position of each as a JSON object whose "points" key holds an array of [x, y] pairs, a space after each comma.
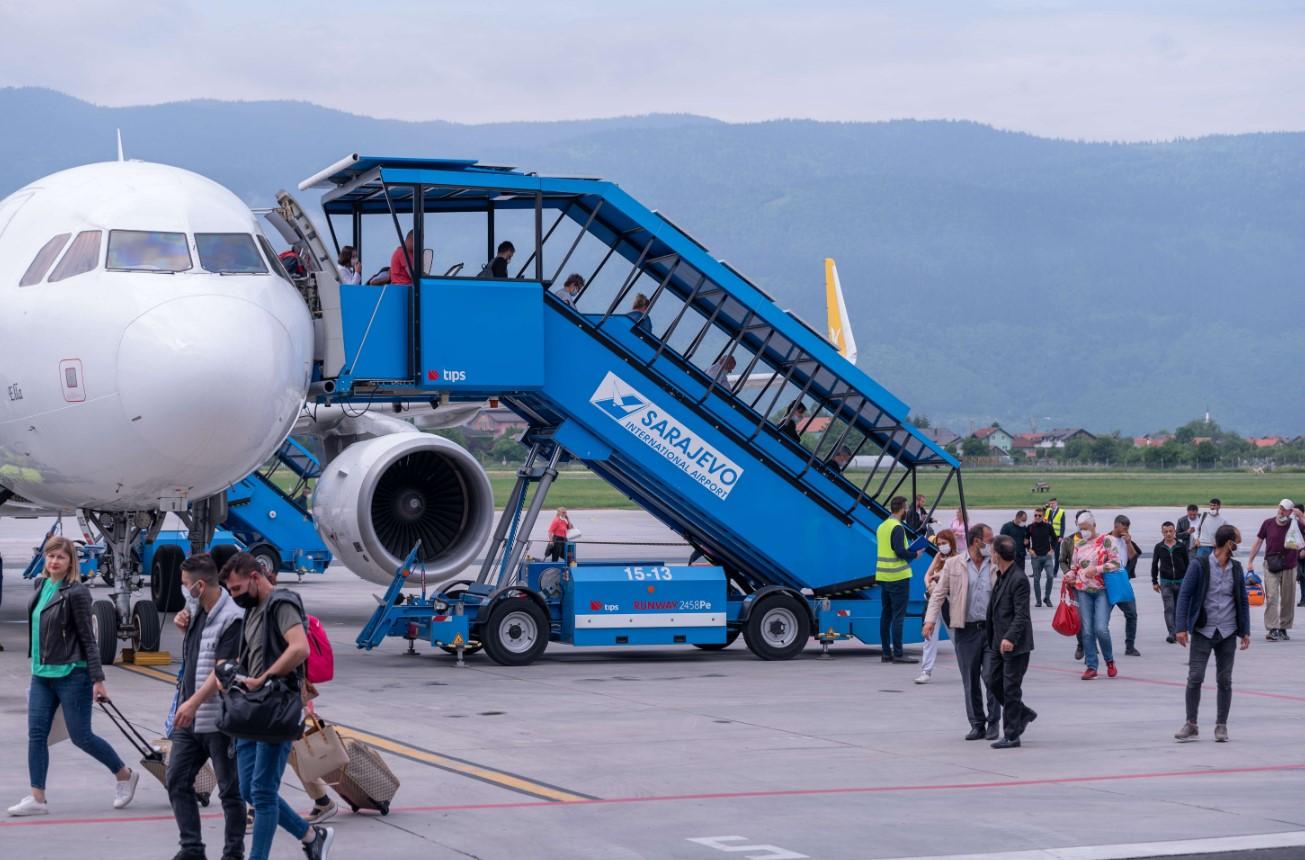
{"points": [[366, 782]]}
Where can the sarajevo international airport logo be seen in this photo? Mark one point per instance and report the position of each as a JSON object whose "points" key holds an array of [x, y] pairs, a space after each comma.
{"points": [[660, 431]]}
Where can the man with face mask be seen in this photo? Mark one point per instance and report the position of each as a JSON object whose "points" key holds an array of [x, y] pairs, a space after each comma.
{"points": [[212, 635], [965, 583], [1282, 548], [1206, 527], [1009, 642]]}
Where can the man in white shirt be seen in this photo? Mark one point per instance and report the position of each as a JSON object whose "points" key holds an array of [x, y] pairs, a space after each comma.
{"points": [[1208, 524]]}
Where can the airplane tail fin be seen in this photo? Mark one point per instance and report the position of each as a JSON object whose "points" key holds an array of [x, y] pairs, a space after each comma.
{"points": [[840, 327]]}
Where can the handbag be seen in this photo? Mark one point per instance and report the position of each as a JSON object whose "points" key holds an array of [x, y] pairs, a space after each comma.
{"points": [[1293, 539], [1119, 589], [1066, 621], [573, 534], [319, 752], [1277, 562], [274, 713]]}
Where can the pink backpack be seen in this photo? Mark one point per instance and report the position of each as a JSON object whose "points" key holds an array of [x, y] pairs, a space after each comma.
{"points": [[321, 659]]}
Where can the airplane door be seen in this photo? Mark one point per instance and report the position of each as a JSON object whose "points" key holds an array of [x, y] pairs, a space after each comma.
{"points": [[294, 225]]}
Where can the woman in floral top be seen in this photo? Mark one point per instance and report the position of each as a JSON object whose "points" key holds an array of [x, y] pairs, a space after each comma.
{"points": [[1094, 555]]}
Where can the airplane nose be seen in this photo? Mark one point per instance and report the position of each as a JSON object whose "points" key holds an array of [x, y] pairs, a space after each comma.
{"points": [[210, 384]]}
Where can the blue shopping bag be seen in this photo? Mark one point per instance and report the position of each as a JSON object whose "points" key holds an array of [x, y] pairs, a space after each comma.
{"points": [[1119, 589]]}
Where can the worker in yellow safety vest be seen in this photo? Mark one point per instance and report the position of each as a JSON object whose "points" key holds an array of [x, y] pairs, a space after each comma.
{"points": [[893, 576], [1055, 516]]}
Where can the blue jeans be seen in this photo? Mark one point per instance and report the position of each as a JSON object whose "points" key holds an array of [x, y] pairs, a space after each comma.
{"points": [[1094, 611], [261, 765], [72, 693], [1043, 564], [893, 598]]}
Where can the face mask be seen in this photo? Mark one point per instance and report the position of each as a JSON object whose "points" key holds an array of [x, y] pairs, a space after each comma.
{"points": [[1085, 533], [944, 549], [245, 600], [985, 551]]}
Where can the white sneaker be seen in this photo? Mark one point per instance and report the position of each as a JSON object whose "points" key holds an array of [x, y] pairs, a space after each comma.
{"points": [[29, 806], [125, 789], [924, 678]]}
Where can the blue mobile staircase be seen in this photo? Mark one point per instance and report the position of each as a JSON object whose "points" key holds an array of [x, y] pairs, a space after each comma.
{"points": [[642, 399]]}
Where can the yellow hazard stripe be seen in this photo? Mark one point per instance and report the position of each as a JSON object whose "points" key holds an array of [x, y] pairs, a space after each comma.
{"points": [[481, 772]]}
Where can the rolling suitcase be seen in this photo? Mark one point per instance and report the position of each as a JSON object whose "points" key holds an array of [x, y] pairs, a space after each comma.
{"points": [[154, 757], [366, 782]]}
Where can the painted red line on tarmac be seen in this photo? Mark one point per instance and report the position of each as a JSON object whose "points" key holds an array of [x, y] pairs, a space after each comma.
{"points": [[737, 795], [1239, 691]]}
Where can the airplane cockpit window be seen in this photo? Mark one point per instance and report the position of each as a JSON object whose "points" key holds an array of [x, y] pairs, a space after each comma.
{"points": [[229, 254], [147, 251], [83, 256], [43, 260], [272, 257]]}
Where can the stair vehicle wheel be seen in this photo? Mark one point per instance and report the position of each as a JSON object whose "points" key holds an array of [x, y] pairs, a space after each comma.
{"points": [[145, 618], [730, 636], [516, 632], [104, 621], [268, 557], [778, 628], [165, 579], [453, 591]]}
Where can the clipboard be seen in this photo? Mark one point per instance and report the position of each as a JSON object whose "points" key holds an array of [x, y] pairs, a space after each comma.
{"points": [[918, 544]]}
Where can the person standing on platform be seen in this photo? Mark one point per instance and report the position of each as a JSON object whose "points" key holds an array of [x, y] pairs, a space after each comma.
{"points": [[1213, 614], [400, 274], [1282, 547], [1042, 544], [964, 585], [947, 548], [1169, 562], [557, 532], [1009, 642], [893, 575], [498, 267], [1209, 523]]}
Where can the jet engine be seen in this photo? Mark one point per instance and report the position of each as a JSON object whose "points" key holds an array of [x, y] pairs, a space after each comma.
{"points": [[379, 496]]}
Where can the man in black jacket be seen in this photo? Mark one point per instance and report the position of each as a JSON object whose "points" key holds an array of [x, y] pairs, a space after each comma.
{"points": [[1010, 639], [1168, 565], [1213, 611]]}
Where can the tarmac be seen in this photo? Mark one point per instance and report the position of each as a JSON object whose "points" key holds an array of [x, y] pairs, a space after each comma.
{"points": [[676, 753]]}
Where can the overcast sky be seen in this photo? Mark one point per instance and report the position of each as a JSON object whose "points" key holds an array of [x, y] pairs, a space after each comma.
{"points": [[1106, 70]]}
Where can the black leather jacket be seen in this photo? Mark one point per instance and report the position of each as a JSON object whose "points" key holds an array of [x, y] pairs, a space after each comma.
{"points": [[66, 632]]}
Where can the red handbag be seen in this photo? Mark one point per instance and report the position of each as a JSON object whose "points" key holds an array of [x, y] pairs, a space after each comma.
{"points": [[1066, 621]]}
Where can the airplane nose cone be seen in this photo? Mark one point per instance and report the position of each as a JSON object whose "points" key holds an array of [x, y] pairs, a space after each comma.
{"points": [[210, 384]]}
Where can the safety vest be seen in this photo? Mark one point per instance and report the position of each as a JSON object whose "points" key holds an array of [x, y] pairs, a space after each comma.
{"points": [[1057, 521], [888, 567]]}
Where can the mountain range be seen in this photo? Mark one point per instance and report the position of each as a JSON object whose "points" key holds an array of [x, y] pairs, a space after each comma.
{"points": [[990, 275]]}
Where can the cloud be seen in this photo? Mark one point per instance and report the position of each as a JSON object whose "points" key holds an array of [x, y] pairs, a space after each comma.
{"points": [[1102, 71]]}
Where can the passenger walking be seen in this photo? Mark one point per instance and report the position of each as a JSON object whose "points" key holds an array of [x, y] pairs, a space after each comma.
{"points": [[958, 523], [1128, 555], [1213, 613], [1186, 529], [793, 417], [893, 575], [1209, 523], [1042, 544], [917, 518], [1169, 562], [571, 288], [212, 635], [1056, 518], [1281, 536], [557, 532], [839, 460], [1094, 556], [965, 585], [947, 548], [66, 675], [275, 644], [348, 266], [639, 313], [1009, 642], [498, 267], [721, 368], [1018, 530]]}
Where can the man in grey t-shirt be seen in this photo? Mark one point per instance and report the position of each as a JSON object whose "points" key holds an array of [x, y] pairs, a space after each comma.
{"points": [[1207, 526]]}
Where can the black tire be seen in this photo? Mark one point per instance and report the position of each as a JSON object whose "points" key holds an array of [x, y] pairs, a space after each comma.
{"points": [[145, 616], [778, 628], [267, 556], [720, 646], [516, 632], [384, 807], [165, 578], [104, 620]]}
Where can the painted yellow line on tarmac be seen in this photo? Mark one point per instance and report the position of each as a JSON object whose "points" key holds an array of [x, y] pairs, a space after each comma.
{"points": [[493, 776]]}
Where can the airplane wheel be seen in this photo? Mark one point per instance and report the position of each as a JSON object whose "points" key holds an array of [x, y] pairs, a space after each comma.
{"points": [[104, 620], [720, 646], [145, 617], [516, 633], [165, 578], [778, 628]]}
